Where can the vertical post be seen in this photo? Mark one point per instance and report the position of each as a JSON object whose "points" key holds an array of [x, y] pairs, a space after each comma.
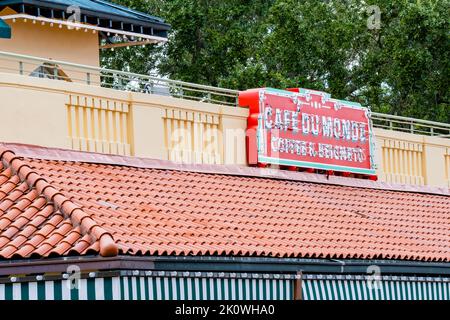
{"points": [[21, 68], [88, 78], [209, 96], [298, 294], [412, 127]]}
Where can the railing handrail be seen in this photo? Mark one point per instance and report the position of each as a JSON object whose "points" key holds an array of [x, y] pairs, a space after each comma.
{"points": [[119, 72], [410, 120]]}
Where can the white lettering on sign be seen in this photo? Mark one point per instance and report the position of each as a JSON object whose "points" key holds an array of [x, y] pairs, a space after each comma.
{"points": [[327, 127]]}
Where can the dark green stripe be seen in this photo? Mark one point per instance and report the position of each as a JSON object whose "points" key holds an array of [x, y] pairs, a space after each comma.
{"points": [[169, 284], [130, 288], [185, 283], [91, 289], [57, 290], [122, 288], [138, 288], [24, 291], [178, 285], [163, 289], [41, 290], [108, 290], [74, 293], [222, 288], [8, 291]]}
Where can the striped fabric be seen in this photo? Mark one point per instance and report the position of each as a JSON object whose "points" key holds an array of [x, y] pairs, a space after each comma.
{"points": [[194, 288], [150, 288], [384, 290]]}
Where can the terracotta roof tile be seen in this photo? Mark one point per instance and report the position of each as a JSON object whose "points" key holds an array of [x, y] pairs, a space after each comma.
{"points": [[51, 206]]}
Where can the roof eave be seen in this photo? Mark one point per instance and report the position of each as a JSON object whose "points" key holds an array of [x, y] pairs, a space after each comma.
{"points": [[224, 264]]}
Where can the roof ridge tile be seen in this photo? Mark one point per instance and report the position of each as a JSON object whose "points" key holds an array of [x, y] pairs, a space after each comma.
{"points": [[76, 214]]}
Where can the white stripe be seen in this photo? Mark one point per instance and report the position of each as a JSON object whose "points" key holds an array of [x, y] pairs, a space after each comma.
{"points": [[49, 292], [316, 290], [32, 291], [444, 288], [289, 293], [393, 291], [358, 290], [381, 290], [341, 289], [333, 286], [281, 283], [166, 289], [233, 289], [419, 290], [219, 291], [189, 288], [429, 291], [174, 288], [311, 289], [347, 291], [226, 290], [116, 288], [240, 290], [408, 290], [142, 285], [247, 289], [197, 289], [261, 292], [386, 290], [370, 289], [82, 289], [435, 295], [182, 297], [268, 297], [158, 288], [99, 289], [126, 289], [254, 294], [2, 291], [403, 285], [376, 289], [211, 288], [439, 290], [353, 291], [305, 295], [133, 288], [17, 293], [414, 290], [204, 289], [65, 285]]}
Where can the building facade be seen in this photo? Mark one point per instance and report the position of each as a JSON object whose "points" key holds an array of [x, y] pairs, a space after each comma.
{"points": [[118, 186]]}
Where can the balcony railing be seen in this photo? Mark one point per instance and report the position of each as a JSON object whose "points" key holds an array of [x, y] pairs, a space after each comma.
{"points": [[115, 79], [127, 81]]}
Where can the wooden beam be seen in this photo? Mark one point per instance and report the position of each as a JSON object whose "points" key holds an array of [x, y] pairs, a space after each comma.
{"points": [[298, 294]]}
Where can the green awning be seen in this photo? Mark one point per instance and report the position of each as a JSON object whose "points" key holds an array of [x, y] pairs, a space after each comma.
{"points": [[5, 30]]}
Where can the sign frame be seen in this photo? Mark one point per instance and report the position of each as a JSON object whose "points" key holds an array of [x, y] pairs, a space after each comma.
{"points": [[256, 140]]}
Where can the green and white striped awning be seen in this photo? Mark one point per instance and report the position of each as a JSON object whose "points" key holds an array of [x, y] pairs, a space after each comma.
{"points": [[366, 288], [165, 286], [150, 288]]}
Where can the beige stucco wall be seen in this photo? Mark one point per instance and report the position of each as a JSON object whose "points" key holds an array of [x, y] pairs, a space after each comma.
{"points": [[49, 42], [89, 118]]}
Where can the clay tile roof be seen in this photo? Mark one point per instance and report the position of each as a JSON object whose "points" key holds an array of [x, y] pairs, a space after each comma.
{"points": [[57, 203]]}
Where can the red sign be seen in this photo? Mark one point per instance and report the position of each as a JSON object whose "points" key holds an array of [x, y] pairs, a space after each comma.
{"points": [[309, 129]]}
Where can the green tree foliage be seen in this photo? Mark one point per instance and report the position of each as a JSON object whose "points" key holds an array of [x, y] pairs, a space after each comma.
{"points": [[401, 67]]}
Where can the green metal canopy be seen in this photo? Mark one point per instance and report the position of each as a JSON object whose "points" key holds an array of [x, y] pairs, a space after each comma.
{"points": [[5, 30]]}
